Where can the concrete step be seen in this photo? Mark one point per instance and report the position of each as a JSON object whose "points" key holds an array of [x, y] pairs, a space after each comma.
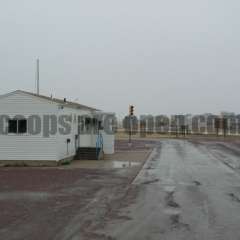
{"points": [[86, 153]]}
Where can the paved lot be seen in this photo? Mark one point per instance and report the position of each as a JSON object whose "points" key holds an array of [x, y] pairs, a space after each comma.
{"points": [[188, 190]]}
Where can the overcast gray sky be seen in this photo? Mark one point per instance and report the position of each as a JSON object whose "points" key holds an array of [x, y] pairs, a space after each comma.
{"points": [[175, 56]]}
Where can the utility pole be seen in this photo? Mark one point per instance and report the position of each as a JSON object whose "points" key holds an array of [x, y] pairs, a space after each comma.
{"points": [[37, 76]]}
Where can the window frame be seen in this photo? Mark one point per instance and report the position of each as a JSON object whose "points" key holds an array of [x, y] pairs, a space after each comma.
{"points": [[12, 122], [18, 130]]}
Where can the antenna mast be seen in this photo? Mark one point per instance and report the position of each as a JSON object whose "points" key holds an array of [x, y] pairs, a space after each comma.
{"points": [[37, 73]]}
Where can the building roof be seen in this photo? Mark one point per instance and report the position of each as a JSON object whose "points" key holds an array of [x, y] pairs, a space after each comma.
{"points": [[60, 101]]}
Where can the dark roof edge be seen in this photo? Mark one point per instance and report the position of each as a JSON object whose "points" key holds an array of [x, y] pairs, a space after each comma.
{"points": [[69, 104]]}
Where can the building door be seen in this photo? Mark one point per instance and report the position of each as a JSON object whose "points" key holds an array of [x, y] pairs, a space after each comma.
{"points": [[77, 142]]}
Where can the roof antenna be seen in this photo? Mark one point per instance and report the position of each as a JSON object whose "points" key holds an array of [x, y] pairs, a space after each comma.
{"points": [[37, 75]]}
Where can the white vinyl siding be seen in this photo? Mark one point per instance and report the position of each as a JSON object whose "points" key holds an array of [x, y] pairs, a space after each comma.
{"points": [[16, 146], [62, 139], [25, 146]]}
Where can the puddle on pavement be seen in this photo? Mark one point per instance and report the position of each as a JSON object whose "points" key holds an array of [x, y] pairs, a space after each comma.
{"points": [[124, 164], [172, 211], [169, 188]]}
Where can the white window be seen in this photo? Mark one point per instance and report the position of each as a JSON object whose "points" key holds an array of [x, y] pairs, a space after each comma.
{"points": [[17, 126]]}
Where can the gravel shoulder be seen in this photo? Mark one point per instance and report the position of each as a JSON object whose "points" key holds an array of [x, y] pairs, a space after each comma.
{"points": [[68, 202]]}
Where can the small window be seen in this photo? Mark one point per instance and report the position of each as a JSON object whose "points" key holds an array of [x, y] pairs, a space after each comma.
{"points": [[12, 126], [17, 126], [22, 126]]}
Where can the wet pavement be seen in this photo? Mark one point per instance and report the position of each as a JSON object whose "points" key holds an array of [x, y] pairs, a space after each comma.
{"points": [[186, 191]]}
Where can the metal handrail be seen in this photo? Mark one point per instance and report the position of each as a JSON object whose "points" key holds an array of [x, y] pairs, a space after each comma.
{"points": [[99, 144]]}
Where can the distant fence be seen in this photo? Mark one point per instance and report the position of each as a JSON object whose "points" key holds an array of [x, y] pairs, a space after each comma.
{"points": [[182, 125]]}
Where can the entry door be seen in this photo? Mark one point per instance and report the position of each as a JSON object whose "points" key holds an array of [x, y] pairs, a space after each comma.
{"points": [[77, 142]]}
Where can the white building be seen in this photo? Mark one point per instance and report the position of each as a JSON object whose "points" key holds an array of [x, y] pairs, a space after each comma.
{"points": [[36, 129]]}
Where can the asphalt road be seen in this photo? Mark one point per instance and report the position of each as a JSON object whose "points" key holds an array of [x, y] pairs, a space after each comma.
{"points": [[186, 191]]}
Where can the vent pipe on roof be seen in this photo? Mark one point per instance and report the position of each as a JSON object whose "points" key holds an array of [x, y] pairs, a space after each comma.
{"points": [[37, 76]]}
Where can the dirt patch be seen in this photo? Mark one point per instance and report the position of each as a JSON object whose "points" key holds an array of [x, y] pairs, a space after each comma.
{"points": [[135, 156], [60, 200], [122, 159], [67, 201], [123, 145]]}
